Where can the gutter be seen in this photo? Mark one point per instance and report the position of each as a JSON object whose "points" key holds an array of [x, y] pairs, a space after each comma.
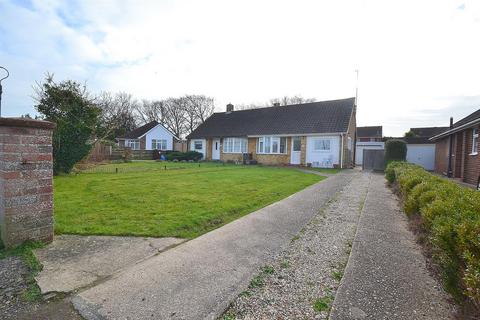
{"points": [[341, 151], [454, 130]]}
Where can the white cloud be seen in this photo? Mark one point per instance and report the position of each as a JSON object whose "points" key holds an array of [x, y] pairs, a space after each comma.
{"points": [[415, 57]]}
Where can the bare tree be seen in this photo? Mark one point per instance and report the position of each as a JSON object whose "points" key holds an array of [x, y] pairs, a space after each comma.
{"points": [[152, 111], [117, 114], [285, 101], [175, 119], [202, 106]]}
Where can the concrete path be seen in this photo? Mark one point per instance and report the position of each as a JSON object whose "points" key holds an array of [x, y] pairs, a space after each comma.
{"points": [[199, 278], [386, 276], [72, 262]]}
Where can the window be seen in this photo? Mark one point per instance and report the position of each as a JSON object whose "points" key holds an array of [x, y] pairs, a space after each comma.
{"points": [[297, 144], [159, 144], [322, 145], [234, 145], [133, 144], [198, 145], [475, 141], [272, 145]]}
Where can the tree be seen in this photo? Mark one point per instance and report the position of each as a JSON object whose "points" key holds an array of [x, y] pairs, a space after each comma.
{"points": [[175, 119], [410, 134], [285, 101], [70, 106], [152, 111], [203, 106], [117, 115]]}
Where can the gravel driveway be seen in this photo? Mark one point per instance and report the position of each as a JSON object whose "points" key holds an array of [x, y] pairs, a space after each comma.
{"points": [[300, 282]]}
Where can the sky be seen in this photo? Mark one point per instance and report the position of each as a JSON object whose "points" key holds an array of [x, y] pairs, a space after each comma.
{"points": [[418, 61]]}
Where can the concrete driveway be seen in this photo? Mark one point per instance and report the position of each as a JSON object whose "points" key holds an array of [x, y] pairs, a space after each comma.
{"points": [[198, 279]]}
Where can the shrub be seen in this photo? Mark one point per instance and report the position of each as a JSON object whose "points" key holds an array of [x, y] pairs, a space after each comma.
{"points": [[187, 156], [450, 217], [395, 150]]}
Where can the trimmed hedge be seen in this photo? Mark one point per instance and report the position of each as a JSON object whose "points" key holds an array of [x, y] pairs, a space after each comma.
{"points": [[395, 150], [187, 156], [450, 216]]}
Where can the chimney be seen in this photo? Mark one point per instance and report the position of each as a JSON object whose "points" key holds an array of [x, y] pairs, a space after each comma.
{"points": [[229, 108], [276, 104]]}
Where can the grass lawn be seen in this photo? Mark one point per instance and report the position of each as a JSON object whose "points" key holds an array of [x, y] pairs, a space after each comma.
{"points": [[185, 200]]}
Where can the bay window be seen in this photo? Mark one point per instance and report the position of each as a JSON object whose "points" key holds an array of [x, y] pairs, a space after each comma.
{"points": [[234, 145], [272, 145]]}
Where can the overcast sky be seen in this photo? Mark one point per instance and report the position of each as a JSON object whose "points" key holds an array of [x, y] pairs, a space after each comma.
{"points": [[418, 61]]}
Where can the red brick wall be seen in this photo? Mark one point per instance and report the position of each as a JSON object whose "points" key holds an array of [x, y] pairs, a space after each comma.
{"points": [[26, 189], [465, 165], [441, 156], [472, 162]]}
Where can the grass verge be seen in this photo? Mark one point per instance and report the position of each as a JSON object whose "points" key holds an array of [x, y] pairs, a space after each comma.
{"points": [[25, 252]]}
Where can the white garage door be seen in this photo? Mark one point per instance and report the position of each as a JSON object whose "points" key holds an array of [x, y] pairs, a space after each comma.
{"points": [[422, 154]]}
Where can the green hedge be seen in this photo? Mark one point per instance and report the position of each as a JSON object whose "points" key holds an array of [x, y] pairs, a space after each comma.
{"points": [[187, 156], [395, 150], [450, 216]]}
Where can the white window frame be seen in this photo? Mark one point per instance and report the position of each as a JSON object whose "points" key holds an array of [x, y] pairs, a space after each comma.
{"points": [[195, 145], [235, 145], [265, 145], [315, 149], [474, 142], [133, 144], [159, 144]]}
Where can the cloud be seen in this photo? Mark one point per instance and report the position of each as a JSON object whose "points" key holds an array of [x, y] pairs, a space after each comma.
{"points": [[411, 55]]}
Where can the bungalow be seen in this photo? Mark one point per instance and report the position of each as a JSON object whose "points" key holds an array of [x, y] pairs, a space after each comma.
{"points": [[456, 152], [151, 136], [317, 134]]}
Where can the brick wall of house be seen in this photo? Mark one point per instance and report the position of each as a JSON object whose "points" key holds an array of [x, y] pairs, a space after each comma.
{"points": [[267, 159], [441, 155], [26, 189], [472, 162], [348, 155], [465, 166], [143, 143]]}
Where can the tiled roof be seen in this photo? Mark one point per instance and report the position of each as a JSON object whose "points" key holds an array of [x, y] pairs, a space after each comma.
{"points": [[369, 132], [467, 119], [316, 117], [140, 131]]}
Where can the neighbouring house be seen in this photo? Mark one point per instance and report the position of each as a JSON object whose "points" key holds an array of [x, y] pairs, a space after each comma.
{"points": [[317, 134], [420, 149], [458, 146], [151, 136], [370, 134], [368, 138]]}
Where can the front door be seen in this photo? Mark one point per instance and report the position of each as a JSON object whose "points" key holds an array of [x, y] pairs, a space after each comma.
{"points": [[296, 150], [216, 149]]}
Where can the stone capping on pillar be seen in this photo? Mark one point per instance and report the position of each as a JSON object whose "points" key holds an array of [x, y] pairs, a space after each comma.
{"points": [[26, 188]]}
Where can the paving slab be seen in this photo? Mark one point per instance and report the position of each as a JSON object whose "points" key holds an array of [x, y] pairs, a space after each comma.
{"points": [[198, 279], [387, 276], [72, 262]]}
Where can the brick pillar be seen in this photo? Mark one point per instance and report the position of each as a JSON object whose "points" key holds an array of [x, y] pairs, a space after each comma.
{"points": [[303, 153], [26, 189]]}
